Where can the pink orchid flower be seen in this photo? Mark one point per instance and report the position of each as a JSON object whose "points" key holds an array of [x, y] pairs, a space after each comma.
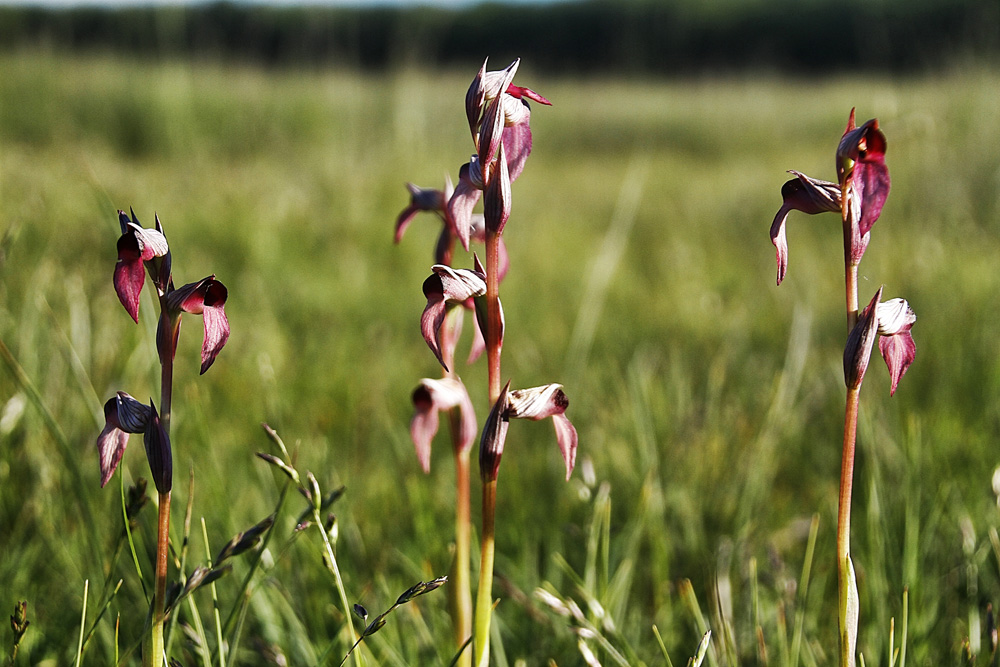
{"points": [[891, 323], [140, 249], [207, 298], [535, 404], [859, 196], [444, 289], [122, 415], [498, 113], [434, 396]]}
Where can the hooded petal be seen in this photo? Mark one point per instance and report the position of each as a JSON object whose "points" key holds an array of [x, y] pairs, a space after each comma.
{"points": [[122, 415], [896, 318], [860, 341], [805, 194], [494, 437], [431, 397], [474, 99], [547, 401], [446, 286]]}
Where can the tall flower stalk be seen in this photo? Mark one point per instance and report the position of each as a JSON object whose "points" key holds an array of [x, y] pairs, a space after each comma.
{"points": [[498, 115], [859, 195], [141, 251]]}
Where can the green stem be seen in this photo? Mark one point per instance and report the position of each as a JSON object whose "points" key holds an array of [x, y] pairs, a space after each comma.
{"points": [[331, 560], [160, 594], [847, 592], [484, 598], [460, 589]]}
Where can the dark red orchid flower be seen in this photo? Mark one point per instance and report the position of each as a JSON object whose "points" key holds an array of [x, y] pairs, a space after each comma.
{"points": [[434, 396], [138, 250], [207, 298]]}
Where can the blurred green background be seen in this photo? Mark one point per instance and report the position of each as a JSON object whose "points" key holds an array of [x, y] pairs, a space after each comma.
{"points": [[709, 402]]}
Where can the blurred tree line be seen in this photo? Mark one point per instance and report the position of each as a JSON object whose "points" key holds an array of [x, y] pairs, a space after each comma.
{"points": [[640, 37]]}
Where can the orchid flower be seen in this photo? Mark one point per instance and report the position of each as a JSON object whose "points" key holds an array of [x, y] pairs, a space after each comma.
{"points": [[445, 288], [207, 298], [535, 404], [859, 195], [424, 199], [890, 322], [498, 113], [122, 415], [431, 397], [138, 247]]}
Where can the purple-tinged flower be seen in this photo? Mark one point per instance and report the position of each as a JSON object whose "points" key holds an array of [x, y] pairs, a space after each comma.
{"points": [[891, 323], [122, 415], [859, 195], [424, 199], [138, 247], [547, 401], [207, 298], [861, 170], [895, 319], [434, 396], [805, 194], [498, 113], [158, 453], [445, 288], [536, 403], [494, 436]]}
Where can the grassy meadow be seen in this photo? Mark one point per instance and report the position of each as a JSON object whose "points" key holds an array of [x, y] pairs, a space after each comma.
{"points": [[709, 402]]}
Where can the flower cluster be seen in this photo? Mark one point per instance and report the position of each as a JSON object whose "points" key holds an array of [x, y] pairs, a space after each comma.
{"points": [[859, 196], [142, 250]]}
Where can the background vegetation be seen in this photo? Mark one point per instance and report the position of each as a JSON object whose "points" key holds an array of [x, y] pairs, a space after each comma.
{"points": [[709, 402]]}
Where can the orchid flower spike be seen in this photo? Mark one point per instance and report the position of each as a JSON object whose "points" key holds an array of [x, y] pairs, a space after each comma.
{"points": [[424, 199], [547, 401], [431, 397], [498, 113], [207, 298], [138, 247], [863, 175], [891, 322], [445, 288], [122, 415]]}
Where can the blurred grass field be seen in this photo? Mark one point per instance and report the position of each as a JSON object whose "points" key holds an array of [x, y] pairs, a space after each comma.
{"points": [[709, 402]]}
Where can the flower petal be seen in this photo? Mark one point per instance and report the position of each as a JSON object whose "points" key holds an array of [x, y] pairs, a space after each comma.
{"points": [[110, 448], [802, 193], [129, 274], [497, 198], [494, 436], [547, 401], [431, 397], [158, 453], [463, 200], [896, 318], [517, 144], [216, 333], [858, 350], [446, 286]]}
